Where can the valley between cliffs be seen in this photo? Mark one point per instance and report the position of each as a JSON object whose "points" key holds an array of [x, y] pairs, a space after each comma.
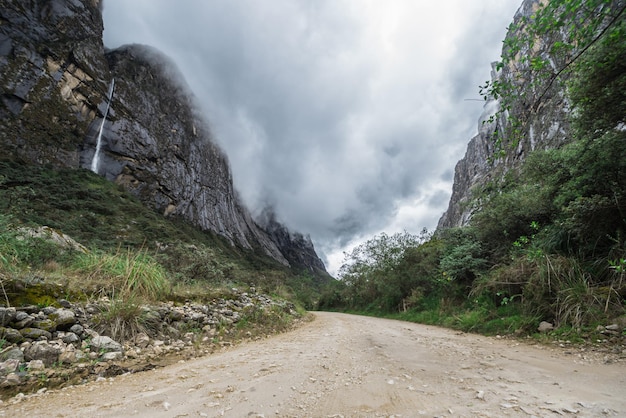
{"points": [[349, 366]]}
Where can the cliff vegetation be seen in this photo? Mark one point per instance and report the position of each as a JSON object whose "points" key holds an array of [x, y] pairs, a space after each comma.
{"points": [[543, 240], [113, 235]]}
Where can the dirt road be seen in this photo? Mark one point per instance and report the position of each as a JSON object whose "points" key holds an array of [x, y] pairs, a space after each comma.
{"points": [[350, 366]]}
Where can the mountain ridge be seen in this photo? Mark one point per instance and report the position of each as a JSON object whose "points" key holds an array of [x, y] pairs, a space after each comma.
{"points": [[156, 142]]}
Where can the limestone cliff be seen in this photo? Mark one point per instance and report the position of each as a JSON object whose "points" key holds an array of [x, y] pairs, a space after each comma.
{"points": [[544, 125], [55, 76]]}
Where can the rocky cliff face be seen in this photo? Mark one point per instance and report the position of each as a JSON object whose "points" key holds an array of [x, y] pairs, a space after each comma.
{"points": [[540, 110], [297, 248], [53, 75], [157, 146], [56, 77]]}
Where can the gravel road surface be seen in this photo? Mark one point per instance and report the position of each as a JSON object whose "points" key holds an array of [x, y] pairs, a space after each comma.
{"points": [[351, 366]]}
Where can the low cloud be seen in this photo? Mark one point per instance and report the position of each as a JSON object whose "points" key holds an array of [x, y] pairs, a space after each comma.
{"points": [[347, 115]]}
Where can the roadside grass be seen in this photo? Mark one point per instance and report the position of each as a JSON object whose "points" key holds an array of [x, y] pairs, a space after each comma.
{"points": [[100, 214], [132, 255], [256, 321], [103, 217], [480, 317], [123, 273], [121, 319]]}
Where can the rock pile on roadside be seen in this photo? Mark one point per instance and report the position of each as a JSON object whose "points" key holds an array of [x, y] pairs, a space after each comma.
{"points": [[42, 344]]}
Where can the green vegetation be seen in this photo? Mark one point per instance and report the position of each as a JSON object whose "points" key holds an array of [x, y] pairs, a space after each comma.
{"points": [[128, 273], [122, 319], [548, 243], [131, 254], [549, 240], [540, 54]]}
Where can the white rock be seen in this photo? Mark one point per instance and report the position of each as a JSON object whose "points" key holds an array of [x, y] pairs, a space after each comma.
{"points": [[112, 356], [12, 379], [142, 340], [545, 326], [104, 343], [68, 356], [35, 365]]}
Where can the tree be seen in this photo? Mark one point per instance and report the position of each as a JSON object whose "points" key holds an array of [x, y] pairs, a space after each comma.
{"points": [[371, 273]]}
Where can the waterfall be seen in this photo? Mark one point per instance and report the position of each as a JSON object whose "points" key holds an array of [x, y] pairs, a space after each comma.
{"points": [[95, 162]]}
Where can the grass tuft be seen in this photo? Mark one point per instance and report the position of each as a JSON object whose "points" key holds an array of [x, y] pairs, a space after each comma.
{"points": [[121, 319], [124, 273]]}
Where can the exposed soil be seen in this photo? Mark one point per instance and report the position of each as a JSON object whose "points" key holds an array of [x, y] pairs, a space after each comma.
{"points": [[349, 366]]}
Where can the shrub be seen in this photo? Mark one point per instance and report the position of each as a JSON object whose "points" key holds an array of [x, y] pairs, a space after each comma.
{"points": [[463, 257]]}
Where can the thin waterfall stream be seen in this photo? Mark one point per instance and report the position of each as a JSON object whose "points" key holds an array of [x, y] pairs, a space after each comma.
{"points": [[95, 162]]}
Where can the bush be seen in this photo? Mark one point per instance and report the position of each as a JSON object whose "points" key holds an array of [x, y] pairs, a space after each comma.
{"points": [[508, 215], [463, 258], [375, 272], [196, 263]]}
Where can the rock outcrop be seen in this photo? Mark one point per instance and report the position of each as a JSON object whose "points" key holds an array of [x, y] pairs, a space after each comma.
{"points": [[53, 75], [56, 77], [541, 110], [297, 248], [157, 146]]}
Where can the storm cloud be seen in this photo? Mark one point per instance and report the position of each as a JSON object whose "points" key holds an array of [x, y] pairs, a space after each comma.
{"points": [[347, 116]]}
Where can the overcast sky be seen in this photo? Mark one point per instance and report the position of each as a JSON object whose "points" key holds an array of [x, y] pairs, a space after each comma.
{"points": [[348, 116]]}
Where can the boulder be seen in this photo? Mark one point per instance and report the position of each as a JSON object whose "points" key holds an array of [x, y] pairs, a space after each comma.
{"points": [[35, 333], [68, 355], [12, 353], [11, 335], [65, 303], [25, 320], [9, 366], [35, 365], [105, 344], [69, 338], [56, 237], [142, 340], [45, 324], [545, 326], [12, 379], [44, 351], [7, 315], [20, 316], [29, 309], [48, 310], [175, 315], [64, 318], [112, 356]]}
